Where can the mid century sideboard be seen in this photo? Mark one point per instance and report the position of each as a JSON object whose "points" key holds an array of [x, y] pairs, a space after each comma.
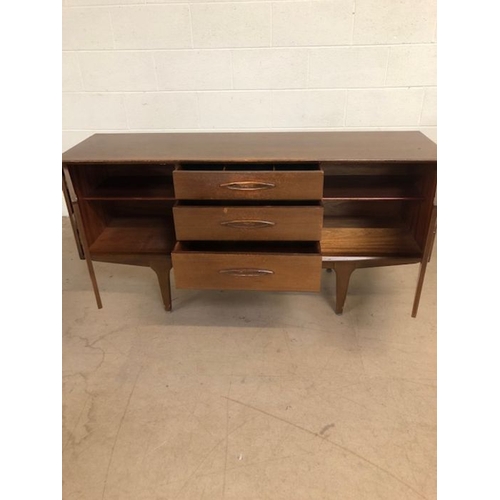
{"points": [[253, 211]]}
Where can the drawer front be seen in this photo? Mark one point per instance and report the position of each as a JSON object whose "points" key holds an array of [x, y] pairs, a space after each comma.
{"points": [[248, 223], [225, 271], [248, 185]]}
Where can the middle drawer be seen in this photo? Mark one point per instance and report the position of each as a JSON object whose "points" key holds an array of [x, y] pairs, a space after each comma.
{"points": [[257, 223]]}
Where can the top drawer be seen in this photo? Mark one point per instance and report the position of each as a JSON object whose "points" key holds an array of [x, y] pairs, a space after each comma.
{"points": [[248, 181]]}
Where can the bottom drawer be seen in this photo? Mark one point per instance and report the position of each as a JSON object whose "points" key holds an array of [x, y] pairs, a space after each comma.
{"points": [[235, 266]]}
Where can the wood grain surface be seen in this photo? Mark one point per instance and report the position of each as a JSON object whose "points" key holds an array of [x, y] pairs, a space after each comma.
{"points": [[222, 185], [248, 222], [246, 271], [254, 146]]}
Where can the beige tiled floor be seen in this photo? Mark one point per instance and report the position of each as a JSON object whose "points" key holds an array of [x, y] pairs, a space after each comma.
{"points": [[242, 395]]}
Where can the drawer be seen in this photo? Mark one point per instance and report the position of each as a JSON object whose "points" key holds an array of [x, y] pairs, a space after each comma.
{"points": [[248, 182], [271, 223], [218, 266]]}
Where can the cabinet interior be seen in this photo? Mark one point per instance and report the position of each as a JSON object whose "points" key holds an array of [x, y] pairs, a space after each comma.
{"points": [[370, 209], [376, 209]]}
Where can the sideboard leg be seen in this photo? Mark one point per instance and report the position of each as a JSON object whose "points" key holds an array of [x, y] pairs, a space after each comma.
{"points": [[420, 284], [162, 269], [343, 271], [431, 245], [426, 257]]}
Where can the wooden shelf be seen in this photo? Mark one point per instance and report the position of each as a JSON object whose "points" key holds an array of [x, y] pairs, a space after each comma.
{"points": [[367, 237], [145, 235], [367, 187], [134, 188]]}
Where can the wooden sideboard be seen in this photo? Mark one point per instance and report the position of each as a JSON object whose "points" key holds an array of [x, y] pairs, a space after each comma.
{"points": [[253, 211]]}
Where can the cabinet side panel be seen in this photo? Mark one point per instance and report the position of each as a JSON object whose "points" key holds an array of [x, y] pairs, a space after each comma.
{"points": [[424, 215], [72, 217], [92, 213]]}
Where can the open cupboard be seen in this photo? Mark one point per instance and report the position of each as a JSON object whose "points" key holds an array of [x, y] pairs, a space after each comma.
{"points": [[253, 211]]}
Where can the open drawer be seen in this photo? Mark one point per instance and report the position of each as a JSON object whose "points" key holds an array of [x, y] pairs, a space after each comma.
{"points": [[248, 181], [222, 221], [283, 266]]}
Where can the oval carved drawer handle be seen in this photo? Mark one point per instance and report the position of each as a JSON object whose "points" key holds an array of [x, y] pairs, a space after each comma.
{"points": [[248, 185], [248, 224], [247, 273]]}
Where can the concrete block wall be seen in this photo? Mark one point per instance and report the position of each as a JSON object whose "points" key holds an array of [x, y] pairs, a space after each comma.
{"points": [[220, 65]]}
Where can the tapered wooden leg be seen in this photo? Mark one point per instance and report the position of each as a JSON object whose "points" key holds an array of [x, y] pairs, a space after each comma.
{"points": [[431, 244], [343, 271], [73, 200], [431, 235], [94, 283], [420, 284], [162, 269], [88, 258]]}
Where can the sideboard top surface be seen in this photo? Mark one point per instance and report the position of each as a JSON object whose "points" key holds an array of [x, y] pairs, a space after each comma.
{"points": [[254, 146]]}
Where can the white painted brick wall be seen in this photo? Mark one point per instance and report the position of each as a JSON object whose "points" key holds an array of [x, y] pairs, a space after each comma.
{"points": [[172, 65]]}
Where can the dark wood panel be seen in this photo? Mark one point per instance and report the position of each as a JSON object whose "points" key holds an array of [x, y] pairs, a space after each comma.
{"points": [[255, 146], [352, 222], [369, 187], [248, 223], [123, 181], [136, 208], [378, 168], [133, 188], [366, 208]]}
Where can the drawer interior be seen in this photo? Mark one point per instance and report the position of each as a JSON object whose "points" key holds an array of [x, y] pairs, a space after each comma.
{"points": [[247, 203], [246, 247], [248, 166]]}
